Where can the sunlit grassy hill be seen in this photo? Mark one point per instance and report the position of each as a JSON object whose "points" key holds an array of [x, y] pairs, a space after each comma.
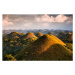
{"points": [[14, 35], [57, 39], [39, 34], [28, 35], [70, 33], [56, 52], [47, 47]]}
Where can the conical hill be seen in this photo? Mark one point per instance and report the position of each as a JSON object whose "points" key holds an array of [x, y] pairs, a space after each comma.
{"points": [[57, 39], [56, 52], [43, 44], [70, 33], [13, 34], [39, 34], [28, 35]]}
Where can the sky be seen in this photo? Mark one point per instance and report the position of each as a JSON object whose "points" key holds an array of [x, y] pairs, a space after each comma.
{"points": [[37, 21]]}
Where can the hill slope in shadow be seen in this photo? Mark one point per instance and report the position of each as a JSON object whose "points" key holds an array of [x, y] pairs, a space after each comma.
{"points": [[47, 47]]}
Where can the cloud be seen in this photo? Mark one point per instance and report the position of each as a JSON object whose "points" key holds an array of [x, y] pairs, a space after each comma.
{"points": [[60, 18], [27, 24], [70, 20], [46, 18], [19, 19], [6, 21], [25, 20], [37, 21], [45, 25]]}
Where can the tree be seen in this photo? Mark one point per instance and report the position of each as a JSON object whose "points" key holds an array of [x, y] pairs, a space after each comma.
{"points": [[9, 57]]}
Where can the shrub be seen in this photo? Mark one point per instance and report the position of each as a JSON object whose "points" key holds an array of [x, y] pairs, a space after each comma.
{"points": [[9, 57]]}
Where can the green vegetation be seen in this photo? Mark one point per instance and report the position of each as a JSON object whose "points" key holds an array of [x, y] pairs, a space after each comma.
{"points": [[67, 38], [69, 46], [9, 57], [21, 46], [44, 44], [56, 52], [14, 45]]}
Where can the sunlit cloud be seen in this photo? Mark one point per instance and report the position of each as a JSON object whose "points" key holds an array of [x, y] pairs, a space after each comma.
{"points": [[60, 18], [37, 21], [6, 21], [46, 18]]}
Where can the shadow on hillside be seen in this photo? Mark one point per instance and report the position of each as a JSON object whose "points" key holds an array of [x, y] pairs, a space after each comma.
{"points": [[55, 52]]}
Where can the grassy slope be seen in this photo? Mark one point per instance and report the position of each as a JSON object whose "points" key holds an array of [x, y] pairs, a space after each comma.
{"points": [[41, 45], [57, 39], [28, 35], [39, 34], [56, 52], [13, 35], [69, 46]]}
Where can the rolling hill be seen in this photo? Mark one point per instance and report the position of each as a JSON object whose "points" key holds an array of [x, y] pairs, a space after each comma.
{"points": [[39, 34], [56, 52], [28, 35], [47, 47], [14, 35]]}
